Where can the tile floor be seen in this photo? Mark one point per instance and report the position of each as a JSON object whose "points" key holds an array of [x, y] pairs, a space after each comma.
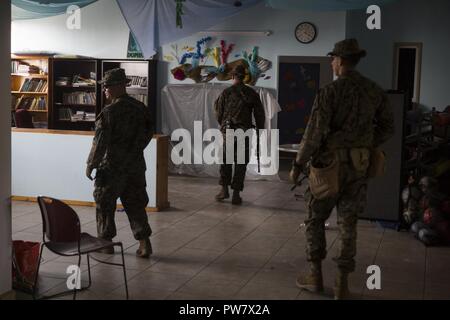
{"points": [[209, 250]]}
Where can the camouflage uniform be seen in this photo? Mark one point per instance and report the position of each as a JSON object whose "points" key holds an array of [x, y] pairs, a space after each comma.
{"points": [[235, 107], [123, 130], [351, 112]]}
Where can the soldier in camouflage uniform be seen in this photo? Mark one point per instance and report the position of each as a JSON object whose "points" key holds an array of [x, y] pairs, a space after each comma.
{"points": [[234, 109], [350, 115], [123, 130]]}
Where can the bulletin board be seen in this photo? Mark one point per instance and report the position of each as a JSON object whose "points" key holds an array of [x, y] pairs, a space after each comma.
{"points": [[299, 80]]}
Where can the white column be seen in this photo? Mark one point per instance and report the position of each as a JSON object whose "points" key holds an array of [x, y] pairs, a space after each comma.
{"points": [[5, 146]]}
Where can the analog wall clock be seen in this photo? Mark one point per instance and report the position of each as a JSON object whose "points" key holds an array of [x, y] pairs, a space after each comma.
{"points": [[305, 32]]}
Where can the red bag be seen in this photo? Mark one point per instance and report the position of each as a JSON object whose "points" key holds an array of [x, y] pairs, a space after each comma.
{"points": [[25, 262]]}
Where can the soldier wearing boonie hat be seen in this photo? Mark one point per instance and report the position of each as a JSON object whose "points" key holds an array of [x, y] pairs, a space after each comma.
{"points": [[350, 117], [122, 131], [114, 77]]}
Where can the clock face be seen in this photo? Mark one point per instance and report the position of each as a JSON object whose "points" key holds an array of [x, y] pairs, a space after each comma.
{"points": [[305, 32]]}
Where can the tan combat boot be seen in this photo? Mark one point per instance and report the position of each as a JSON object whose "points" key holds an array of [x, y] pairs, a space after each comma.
{"points": [[341, 291], [223, 194], [313, 281], [236, 198], [145, 248]]}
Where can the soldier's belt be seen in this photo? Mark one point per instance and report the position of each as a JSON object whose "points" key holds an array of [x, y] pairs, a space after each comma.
{"points": [[359, 157]]}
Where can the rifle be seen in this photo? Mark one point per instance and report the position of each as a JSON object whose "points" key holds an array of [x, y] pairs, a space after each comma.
{"points": [[299, 183]]}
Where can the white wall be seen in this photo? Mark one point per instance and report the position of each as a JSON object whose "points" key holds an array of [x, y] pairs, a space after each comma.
{"points": [[408, 21], [330, 25], [39, 160], [103, 34], [5, 149]]}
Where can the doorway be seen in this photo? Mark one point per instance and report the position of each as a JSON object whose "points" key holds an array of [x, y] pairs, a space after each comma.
{"points": [[407, 69]]}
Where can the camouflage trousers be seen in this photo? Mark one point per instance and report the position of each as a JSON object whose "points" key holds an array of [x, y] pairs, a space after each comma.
{"points": [[350, 202], [131, 189], [226, 169]]}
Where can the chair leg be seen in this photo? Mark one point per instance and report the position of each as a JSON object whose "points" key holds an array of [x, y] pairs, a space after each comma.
{"points": [[37, 272], [78, 277], [89, 272], [124, 271]]}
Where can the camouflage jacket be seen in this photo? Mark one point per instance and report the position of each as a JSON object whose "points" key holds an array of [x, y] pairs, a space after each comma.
{"points": [[123, 130], [351, 112], [236, 104]]}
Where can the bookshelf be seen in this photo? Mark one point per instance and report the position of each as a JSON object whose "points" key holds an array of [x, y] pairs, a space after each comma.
{"points": [[30, 89], [75, 94], [143, 84]]}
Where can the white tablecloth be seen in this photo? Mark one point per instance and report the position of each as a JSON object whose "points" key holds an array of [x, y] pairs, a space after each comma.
{"points": [[182, 104]]}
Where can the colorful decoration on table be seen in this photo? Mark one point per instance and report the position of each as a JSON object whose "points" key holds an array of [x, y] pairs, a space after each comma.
{"points": [[216, 56], [225, 51], [195, 56], [251, 59], [180, 12], [255, 66]]}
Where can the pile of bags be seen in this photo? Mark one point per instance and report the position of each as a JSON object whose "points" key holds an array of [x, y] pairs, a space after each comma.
{"points": [[427, 212]]}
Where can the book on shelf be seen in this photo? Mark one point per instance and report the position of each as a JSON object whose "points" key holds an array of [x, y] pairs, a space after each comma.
{"points": [[136, 81], [67, 114], [79, 81], [79, 97], [30, 103], [83, 116], [75, 81], [34, 85], [63, 81], [15, 66], [64, 114], [19, 67]]}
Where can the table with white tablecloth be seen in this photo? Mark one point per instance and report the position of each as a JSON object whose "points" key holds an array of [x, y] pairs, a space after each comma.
{"points": [[183, 104]]}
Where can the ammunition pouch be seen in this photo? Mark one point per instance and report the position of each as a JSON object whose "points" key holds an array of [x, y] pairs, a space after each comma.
{"points": [[377, 166], [360, 158], [324, 181]]}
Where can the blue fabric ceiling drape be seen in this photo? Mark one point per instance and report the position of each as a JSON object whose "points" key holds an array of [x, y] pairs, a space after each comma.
{"points": [[153, 22], [324, 5], [29, 9]]}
